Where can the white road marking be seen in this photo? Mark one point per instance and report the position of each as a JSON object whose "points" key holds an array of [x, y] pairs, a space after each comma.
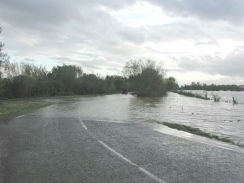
{"points": [[133, 164], [151, 175], [84, 126], [117, 154], [124, 158], [20, 116]]}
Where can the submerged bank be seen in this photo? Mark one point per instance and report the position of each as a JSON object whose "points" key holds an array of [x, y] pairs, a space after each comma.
{"points": [[197, 131]]}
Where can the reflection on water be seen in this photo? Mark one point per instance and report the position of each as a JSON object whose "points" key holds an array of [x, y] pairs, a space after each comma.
{"points": [[221, 118]]}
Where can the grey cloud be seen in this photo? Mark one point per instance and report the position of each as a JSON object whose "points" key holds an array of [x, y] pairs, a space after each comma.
{"points": [[29, 60], [212, 42], [84, 64], [232, 65], [88, 64], [82, 25], [59, 16], [44, 15], [82, 20], [189, 64], [114, 69], [223, 10], [184, 30], [83, 31], [62, 59], [134, 35]]}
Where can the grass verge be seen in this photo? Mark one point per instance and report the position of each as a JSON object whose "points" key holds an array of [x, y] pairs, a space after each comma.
{"points": [[197, 131], [11, 109]]}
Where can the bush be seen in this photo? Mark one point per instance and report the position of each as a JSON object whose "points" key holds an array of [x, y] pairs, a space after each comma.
{"points": [[146, 77]]}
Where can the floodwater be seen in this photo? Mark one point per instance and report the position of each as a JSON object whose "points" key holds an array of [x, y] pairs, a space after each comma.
{"points": [[221, 118]]}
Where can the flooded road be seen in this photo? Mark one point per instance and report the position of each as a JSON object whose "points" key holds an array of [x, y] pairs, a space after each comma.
{"points": [[221, 118], [102, 139]]}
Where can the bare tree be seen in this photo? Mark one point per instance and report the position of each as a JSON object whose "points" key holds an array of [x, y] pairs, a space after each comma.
{"points": [[4, 59]]}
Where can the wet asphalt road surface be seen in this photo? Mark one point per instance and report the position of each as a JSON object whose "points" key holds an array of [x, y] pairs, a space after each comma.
{"points": [[54, 149]]}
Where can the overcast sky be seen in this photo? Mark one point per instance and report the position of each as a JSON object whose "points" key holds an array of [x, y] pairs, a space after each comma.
{"points": [[195, 40]]}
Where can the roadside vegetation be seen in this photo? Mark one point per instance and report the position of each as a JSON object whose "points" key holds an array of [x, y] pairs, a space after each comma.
{"points": [[11, 109], [197, 131]]}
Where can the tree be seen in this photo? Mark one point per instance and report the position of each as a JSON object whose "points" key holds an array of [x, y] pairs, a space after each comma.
{"points": [[4, 65], [172, 84], [21, 86], [4, 59], [90, 84], [132, 68], [115, 84], [66, 74], [33, 71], [146, 77]]}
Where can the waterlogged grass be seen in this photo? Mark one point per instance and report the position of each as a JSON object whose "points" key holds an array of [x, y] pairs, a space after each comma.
{"points": [[216, 97], [197, 131], [11, 109], [234, 101]]}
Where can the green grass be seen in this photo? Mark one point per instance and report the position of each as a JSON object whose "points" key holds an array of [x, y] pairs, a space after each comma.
{"points": [[11, 109], [197, 131]]}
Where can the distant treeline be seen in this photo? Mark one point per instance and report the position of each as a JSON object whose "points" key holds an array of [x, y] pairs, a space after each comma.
{"points": [[212, 87]]}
